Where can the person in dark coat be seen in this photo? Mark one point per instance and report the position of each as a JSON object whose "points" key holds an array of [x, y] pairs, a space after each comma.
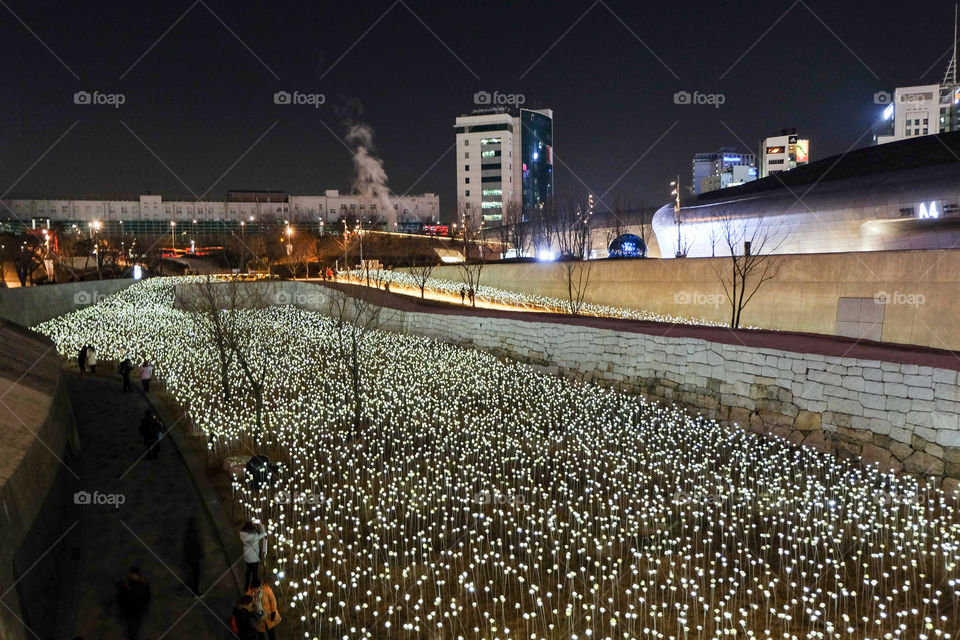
{"points": [[82, 359], [150, 430], [133, 599], [193, 553], [125, 368], [244, 621]]}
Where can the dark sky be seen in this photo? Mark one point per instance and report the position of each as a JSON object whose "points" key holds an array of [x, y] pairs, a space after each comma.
{"points": [[202, 96]]}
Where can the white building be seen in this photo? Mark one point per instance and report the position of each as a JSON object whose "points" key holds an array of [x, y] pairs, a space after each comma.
{"points": [[503, 160], [922, 110], [488, 179], [238, 206], [783, 152], [918, 111]]}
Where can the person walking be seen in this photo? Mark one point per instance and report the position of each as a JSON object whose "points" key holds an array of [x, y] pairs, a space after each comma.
{"points": [[124, 369], [146, 375], [463, 294], [133, 599], [265, 606], [82, 359], [150, 429], [243, 623], [471, 294], [252, 536], [92, 359], [193, 554]]}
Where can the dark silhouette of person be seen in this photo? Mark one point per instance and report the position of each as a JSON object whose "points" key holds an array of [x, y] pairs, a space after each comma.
{"points": [[193, 554], [133, 599]]}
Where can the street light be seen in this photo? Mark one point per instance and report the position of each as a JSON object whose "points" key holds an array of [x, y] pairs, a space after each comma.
{"points": [[675, 184], [173, 239]]}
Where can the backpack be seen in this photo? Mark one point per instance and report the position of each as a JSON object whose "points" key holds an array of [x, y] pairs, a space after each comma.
{"points": [[258, 603]]}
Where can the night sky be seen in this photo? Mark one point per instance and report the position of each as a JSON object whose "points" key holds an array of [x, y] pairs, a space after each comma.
{"points": [[202, 97]]}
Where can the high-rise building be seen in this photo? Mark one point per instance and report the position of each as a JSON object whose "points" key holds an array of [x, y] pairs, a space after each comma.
{"points": [[503, 160], [536, 138], [725, 167], [783, 152]]}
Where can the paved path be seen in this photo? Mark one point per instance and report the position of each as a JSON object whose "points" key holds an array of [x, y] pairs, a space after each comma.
{"points": [[147, 529]]}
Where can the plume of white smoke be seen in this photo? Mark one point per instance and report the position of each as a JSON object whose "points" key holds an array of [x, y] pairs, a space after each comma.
{"points": [[370, 180]]}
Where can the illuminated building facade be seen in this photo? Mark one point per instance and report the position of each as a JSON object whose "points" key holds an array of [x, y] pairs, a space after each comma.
{"points": [[903, 195], [725, 167], [783, 152], [503, 160]]}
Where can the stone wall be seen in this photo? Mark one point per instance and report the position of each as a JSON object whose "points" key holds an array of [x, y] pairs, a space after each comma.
{"points": [[29, 306], [38, 441]]}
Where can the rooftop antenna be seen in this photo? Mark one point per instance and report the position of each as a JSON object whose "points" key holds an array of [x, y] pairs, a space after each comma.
{"points": [[950, 78]]}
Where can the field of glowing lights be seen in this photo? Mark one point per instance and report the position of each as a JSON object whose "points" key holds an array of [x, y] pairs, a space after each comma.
{"points": [[484, 500]]}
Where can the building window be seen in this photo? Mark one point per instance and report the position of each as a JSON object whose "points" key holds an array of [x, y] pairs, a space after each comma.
{"points": [[467, 193], [484, 141], [466, 167], [466, 155], [466, 143], [466, 180]]}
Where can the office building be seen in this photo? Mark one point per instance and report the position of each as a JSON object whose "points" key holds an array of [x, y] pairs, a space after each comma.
{"points": [[725, 167], [783, 152], [503, 160]]}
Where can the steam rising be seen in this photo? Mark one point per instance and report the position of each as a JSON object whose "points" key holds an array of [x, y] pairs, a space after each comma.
{"points": [[371, 179]]}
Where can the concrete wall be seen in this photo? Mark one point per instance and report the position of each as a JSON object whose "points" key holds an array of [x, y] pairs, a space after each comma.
{"points": [[38, 440], [894, 406], [28, 306], [923, 287]]}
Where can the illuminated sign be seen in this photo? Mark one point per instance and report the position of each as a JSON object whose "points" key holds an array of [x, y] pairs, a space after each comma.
{"points": [[803, 151], [930, 212], [774, 150]]}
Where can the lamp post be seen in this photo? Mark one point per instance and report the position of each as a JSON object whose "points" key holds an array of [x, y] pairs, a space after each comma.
{"points": [[173, 239], [675, 184]]}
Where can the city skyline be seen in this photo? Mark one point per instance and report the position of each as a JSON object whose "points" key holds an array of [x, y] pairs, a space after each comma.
{"points": [[198, 85]]}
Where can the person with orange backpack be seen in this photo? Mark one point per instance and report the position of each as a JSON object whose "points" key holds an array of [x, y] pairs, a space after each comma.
{"points": [[264, 605]]}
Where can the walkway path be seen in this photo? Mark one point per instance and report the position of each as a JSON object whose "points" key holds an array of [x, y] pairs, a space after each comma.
{"points": [[147, 529]]}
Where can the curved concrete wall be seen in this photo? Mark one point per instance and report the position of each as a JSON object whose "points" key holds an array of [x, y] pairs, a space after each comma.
{"points": [[922, 287], [37, 441], [29, 306]]}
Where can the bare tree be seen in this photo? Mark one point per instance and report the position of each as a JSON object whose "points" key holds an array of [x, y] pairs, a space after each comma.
{"points": [[218, 306], [471, 268], [420, 270], [572, 233], [303, 249], [515, 228], [752, 243], [356, 314]]}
